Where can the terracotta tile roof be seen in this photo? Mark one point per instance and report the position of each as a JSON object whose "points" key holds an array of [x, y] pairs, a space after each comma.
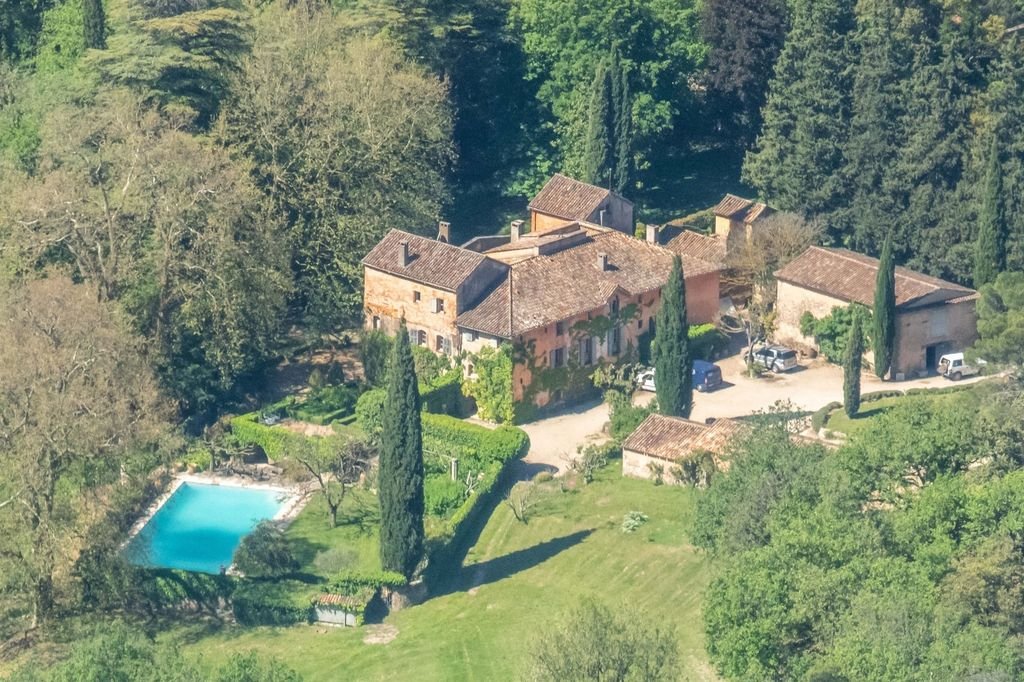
{"points": [[738, 208], [431, 262], [548, 288], [697, 245], [564, 197], [343, 600], [850, 276], [675, 439]]}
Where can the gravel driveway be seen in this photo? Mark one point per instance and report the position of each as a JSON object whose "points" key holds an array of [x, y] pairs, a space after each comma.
{"points": [[554, 440]]}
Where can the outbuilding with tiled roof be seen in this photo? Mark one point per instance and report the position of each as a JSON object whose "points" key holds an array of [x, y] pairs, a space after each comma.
{"points": [[563, 200], [662, 443], [933, 316]]}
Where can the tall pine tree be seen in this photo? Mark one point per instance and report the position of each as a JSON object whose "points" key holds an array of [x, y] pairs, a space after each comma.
{"points": [[884, 40], [797, 160], [884, 338], [400, 481], [851, 367], [598, 144], [94, 24], [990, 248], [673, 364]]}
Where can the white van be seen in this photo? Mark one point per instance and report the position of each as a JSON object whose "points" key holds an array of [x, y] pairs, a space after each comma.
{"points": [[954, 366]]}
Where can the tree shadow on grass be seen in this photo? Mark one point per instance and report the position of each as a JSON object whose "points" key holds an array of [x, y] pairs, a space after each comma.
{"points": [[493, 570], [361, 513], [305, 550]]}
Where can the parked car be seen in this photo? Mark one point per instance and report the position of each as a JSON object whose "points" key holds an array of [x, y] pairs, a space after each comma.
{"points": [[954, 366], [776, 358], [707, 376]]}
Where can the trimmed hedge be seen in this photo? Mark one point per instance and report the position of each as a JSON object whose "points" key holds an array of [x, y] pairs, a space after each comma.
{"points": [[881, 395], [501, 444], [274, 440], [279, 602], [496, 447], [820, 418], [946, 390]]}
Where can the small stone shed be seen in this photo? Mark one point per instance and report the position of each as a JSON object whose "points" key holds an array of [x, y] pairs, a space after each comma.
{"points": [[933, 316], [339, 609], [666, 441]]}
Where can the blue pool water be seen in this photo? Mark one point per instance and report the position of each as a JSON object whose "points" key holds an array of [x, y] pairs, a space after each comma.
{"points": [[200, 526]]}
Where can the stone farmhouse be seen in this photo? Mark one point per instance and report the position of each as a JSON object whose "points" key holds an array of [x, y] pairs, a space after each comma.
{"points": [[933, 316], [736, 218], [664, 442], [575, 293]]}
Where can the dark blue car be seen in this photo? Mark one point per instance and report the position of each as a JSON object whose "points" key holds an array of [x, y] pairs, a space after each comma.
{"points": [[706, 376]]}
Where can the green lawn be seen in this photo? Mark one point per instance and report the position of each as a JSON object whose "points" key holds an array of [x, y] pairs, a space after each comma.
{"points": [[324, 551], [840, 423], [515, 580]]}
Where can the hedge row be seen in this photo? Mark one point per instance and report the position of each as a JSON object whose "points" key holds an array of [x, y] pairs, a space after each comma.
{"points": [[820, 418], [881, 395], [279, 602], [444, 395], [500, 444]]}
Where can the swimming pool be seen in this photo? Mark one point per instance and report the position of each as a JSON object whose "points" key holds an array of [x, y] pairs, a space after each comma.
{"points": [[199, 527]]}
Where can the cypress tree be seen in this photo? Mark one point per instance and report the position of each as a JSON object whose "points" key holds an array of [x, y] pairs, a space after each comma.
{"points": [[622, 100], [990, 248], [597, 145], [884, 338], [94, 24], [673, 365], [400, 485], [851, 368]]}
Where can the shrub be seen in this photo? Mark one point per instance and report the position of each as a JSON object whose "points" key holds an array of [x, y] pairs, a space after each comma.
{"points": [[444, 395], [442, 495], [832, 331], [265, 552], [592, 457], [430, 366], [374, 350], [820, 417], [706, 340], [198, 457], [521, 499], [632, 521], [623, 415], [370, 412], [492, 387], [283, 602]]}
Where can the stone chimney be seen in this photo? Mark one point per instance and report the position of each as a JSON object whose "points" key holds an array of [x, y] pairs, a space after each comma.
{"points": [[516, 230], [652, 233], [403, 253], [602, 262], [444, 232]]}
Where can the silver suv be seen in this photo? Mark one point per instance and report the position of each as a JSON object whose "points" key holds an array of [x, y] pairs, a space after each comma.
{"points": [[776, 358]]}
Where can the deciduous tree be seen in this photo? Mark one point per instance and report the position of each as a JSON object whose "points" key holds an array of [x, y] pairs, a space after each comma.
{"points": [[334, 465], [596, 643], [400, 481], [77, 399], [347, 140]]}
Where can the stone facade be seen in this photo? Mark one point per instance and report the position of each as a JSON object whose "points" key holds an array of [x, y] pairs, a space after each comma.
{"points": [[546, 342], [638, 465], [429, 312], [922, 334]]}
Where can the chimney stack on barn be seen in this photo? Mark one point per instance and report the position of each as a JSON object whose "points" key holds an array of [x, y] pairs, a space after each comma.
{"points": [[403, 253], [652, 233], [444, 232], [516, 230], [602, 262]]}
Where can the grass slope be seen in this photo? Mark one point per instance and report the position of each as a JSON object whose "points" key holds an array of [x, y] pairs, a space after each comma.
{"points": [[515, 580], [839, 422]]}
